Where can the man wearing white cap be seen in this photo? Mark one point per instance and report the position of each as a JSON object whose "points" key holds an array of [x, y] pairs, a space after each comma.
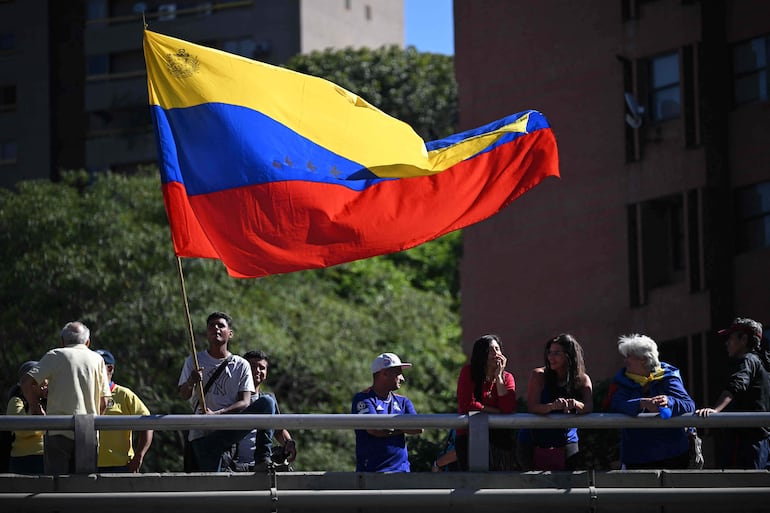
{"points": [[383, 450]]}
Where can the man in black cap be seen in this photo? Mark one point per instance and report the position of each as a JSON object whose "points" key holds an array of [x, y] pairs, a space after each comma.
{"points": [[747, 389], [117, 452]]}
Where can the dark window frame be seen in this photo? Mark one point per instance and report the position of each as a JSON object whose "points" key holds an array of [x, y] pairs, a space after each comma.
{"points": [[751, 77], [752, 218], [8, 97], [664, 89], [664, 244], [8, 152]]}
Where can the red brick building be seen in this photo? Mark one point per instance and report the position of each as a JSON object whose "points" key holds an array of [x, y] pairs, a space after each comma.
{"points": [[660, 223]]}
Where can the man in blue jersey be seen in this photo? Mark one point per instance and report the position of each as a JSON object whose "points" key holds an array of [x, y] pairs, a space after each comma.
{"points": [[383, 450]]}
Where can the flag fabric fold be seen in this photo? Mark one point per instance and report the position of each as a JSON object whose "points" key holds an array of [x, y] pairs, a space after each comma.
{"points": [[272, 171]]}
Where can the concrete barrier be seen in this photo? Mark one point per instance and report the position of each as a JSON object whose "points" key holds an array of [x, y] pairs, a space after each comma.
{"points": [[584, 491]]}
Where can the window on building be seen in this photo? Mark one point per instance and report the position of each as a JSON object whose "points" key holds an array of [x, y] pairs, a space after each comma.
{"points": [[663, 240], [247, 47], [347, 4], [664, 87], [750, 70], [368, 12], [127, 62], [657, 89], [752, 205], [664, 244], [686, 354], [166, 12], [96, 10], [97, 65], [632, 9], [114, 12], [126, 120], [131, 62], [7, 152], [7, 42], [7, 97]]}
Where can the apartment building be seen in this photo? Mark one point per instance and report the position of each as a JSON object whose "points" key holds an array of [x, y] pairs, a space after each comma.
{"points": [[660, 222], [73, 90]]}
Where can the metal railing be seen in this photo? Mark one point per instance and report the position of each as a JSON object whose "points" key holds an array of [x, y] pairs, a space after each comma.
{"points": [[477, 424]]}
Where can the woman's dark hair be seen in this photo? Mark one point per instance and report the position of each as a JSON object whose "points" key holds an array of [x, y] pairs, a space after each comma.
{"points": [[479, 357], [576, 368]]}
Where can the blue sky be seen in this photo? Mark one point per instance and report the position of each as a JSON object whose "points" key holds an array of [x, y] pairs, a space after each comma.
{"points": [[429, 25]]}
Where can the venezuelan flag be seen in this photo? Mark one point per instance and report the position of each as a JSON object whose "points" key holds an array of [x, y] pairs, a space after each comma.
{"points": [[272, 171]]}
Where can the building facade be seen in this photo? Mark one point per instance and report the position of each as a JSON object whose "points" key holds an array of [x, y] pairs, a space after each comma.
{"points": [[660, 222], [73, 89]]}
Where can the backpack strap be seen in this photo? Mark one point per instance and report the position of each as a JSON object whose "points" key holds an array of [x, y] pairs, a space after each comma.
{"points": [[214, 376]]}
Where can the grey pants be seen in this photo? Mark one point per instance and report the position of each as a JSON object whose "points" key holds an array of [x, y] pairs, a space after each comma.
{"points": [[59, 455]]}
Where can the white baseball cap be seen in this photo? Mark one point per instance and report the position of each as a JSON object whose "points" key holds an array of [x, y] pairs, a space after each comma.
{"points": [[386, 361]]}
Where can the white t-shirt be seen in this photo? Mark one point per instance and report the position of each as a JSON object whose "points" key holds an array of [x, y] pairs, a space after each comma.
{"points": [[233, 380]]}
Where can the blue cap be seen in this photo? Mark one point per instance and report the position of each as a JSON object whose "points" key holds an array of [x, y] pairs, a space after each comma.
{"points": [[107, 356]]}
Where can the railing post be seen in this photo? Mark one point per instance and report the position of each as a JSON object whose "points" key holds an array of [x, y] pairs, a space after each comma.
{"points": [[478, 442], [85, 444]]}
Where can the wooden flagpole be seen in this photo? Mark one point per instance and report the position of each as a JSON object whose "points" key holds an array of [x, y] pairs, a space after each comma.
{"points": [[199, 387]]}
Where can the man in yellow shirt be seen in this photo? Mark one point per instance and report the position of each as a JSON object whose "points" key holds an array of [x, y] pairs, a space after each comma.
{"points": [[116, 449]]}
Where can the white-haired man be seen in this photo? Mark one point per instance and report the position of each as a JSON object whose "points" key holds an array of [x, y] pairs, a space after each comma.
{"points": [[77, 385]]}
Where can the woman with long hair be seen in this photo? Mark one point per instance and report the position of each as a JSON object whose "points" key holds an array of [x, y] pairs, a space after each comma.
{"points": [[561, 385], [484, 385]]}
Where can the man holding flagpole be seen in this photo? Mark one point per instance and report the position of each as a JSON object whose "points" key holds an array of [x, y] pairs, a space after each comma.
{"points": [[228, 386]]}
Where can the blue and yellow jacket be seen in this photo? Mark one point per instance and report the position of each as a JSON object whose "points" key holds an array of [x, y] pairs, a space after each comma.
{"points": [[646, 445]]}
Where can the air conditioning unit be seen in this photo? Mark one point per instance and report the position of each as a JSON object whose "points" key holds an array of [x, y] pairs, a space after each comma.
{"points": [[166, 12]]}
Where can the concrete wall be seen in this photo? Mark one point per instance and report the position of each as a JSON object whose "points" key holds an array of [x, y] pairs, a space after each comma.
{"points": [[622, 492]]}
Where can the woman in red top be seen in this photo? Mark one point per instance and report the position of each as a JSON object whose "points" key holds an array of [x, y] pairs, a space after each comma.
{"points": [[484, 385]]}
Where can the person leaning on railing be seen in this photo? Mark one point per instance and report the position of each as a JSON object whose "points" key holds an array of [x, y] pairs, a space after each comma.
{"points": [[747, 389], [484, 385], [647, 385], [383, 450], [560, 386]]}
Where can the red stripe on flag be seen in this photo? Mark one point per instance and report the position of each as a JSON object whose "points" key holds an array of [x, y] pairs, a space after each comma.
{"points": [[293, 225]]}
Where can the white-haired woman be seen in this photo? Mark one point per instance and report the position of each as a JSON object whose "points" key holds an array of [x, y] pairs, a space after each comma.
{"points": [[647, 385]]}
